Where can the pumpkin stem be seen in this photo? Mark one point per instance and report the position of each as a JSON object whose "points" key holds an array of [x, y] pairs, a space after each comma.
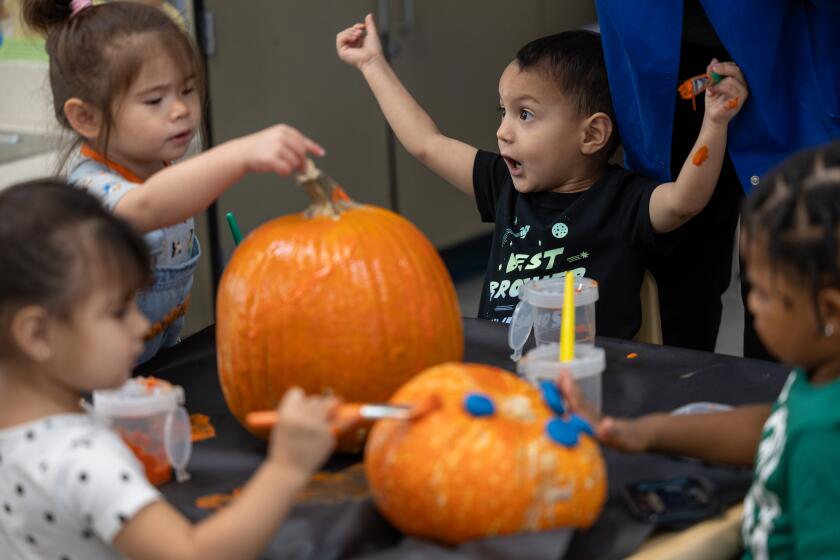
{"points": [[328, 199]]}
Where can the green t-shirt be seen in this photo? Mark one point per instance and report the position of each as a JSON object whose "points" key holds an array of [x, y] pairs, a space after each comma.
{"points": [[793, 507]]}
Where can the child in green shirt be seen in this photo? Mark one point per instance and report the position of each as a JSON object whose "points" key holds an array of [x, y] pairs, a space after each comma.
{"points": [[791, 244]]}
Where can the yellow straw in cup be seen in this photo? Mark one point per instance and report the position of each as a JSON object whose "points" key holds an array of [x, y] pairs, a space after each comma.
{"points": [[567, 323]]}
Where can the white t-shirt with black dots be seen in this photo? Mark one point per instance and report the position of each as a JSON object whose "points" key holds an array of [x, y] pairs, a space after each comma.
{"points": [[67, 485]]}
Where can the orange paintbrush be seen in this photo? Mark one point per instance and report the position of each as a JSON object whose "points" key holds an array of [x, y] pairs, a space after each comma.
{"points": [[347, 415]]}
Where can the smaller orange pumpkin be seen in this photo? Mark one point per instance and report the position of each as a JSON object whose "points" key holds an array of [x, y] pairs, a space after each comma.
{"points": [[487, 462]]}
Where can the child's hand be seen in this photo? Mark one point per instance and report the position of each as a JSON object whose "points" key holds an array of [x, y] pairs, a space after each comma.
{"points": [[725, 98], [279, 149], [302, 438], [625, 435], [359, 44]]}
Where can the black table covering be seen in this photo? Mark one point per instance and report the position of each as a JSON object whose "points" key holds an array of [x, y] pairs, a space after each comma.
{"points": [[335, 517]]}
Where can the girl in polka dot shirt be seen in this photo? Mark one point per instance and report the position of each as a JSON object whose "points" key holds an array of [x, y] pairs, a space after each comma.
{"points": [[69, 324]]}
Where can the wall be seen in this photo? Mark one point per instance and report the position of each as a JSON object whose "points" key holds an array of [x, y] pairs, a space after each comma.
{"points": [[25, 103]]}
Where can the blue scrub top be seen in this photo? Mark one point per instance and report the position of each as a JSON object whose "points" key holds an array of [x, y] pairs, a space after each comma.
{"points": [[788, 50]]}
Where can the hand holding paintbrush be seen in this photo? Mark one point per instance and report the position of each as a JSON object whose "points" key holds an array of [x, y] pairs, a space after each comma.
{"points": [[345, 416]]}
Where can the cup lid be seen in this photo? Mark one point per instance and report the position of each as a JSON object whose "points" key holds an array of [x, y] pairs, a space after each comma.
{"points": [[543, 362], [520, 328], [177, 440], [139, 396], [549, 292]]}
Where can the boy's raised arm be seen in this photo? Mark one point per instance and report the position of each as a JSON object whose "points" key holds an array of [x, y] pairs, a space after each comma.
{"points": [[452, 159], [673, 204]]}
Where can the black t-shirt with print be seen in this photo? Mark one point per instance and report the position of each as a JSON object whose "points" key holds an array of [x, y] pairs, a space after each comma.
{"points": [[602, 233]]}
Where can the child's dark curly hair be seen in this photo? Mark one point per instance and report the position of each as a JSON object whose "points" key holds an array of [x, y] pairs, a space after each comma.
{"points": [[796, 212]]}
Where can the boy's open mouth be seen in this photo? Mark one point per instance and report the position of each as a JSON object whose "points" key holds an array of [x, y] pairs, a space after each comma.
{"points": [[512, 163]]}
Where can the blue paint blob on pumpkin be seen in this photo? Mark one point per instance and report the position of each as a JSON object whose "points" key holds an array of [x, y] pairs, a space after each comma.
{"points": [[552, 397], [581, 425], [562, 432], [479, 405]]}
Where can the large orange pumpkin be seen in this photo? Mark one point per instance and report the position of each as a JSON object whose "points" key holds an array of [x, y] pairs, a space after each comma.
{"points": [[344, 298], [453, 475]]}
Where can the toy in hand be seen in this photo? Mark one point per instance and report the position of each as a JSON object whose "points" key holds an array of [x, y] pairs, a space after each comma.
{"points": [[694, 86]]}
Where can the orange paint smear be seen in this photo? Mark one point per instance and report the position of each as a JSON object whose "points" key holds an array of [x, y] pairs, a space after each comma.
{"points": [[700, 156], [692, 87], [685, 90], [152, 383], [215, 501], [632, 356], [339, 195], [732, 103], [346, 485], [201, 427], [324, 487], [154, 460], [173, 315]]}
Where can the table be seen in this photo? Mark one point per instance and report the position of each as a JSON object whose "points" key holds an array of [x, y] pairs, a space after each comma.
{"points": [[335, 518]]}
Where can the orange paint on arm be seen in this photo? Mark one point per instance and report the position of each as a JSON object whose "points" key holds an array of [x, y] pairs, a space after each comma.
{"points": [[700, 156], [215, 501], [732, 103]]}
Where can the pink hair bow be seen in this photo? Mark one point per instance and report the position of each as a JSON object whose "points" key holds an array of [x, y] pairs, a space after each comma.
{"points": [[79, 5]]}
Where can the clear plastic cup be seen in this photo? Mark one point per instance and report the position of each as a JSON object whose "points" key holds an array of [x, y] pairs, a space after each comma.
{"points": [[541, 308], [543, 364], [148, 414]]}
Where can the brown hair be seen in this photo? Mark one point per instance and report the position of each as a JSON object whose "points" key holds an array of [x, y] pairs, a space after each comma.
{"points": [[57, 245], [575, 61], [97, 53]]}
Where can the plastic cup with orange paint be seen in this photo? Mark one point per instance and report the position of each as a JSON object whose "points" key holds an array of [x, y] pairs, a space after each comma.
{"points": [[147, 413]]}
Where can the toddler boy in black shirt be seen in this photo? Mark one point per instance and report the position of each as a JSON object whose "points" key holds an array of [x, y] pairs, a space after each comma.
{"points": [[558, 206]]}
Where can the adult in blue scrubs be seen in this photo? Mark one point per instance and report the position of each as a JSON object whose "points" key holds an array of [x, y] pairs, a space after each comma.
{"points": [[789, 52]]}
